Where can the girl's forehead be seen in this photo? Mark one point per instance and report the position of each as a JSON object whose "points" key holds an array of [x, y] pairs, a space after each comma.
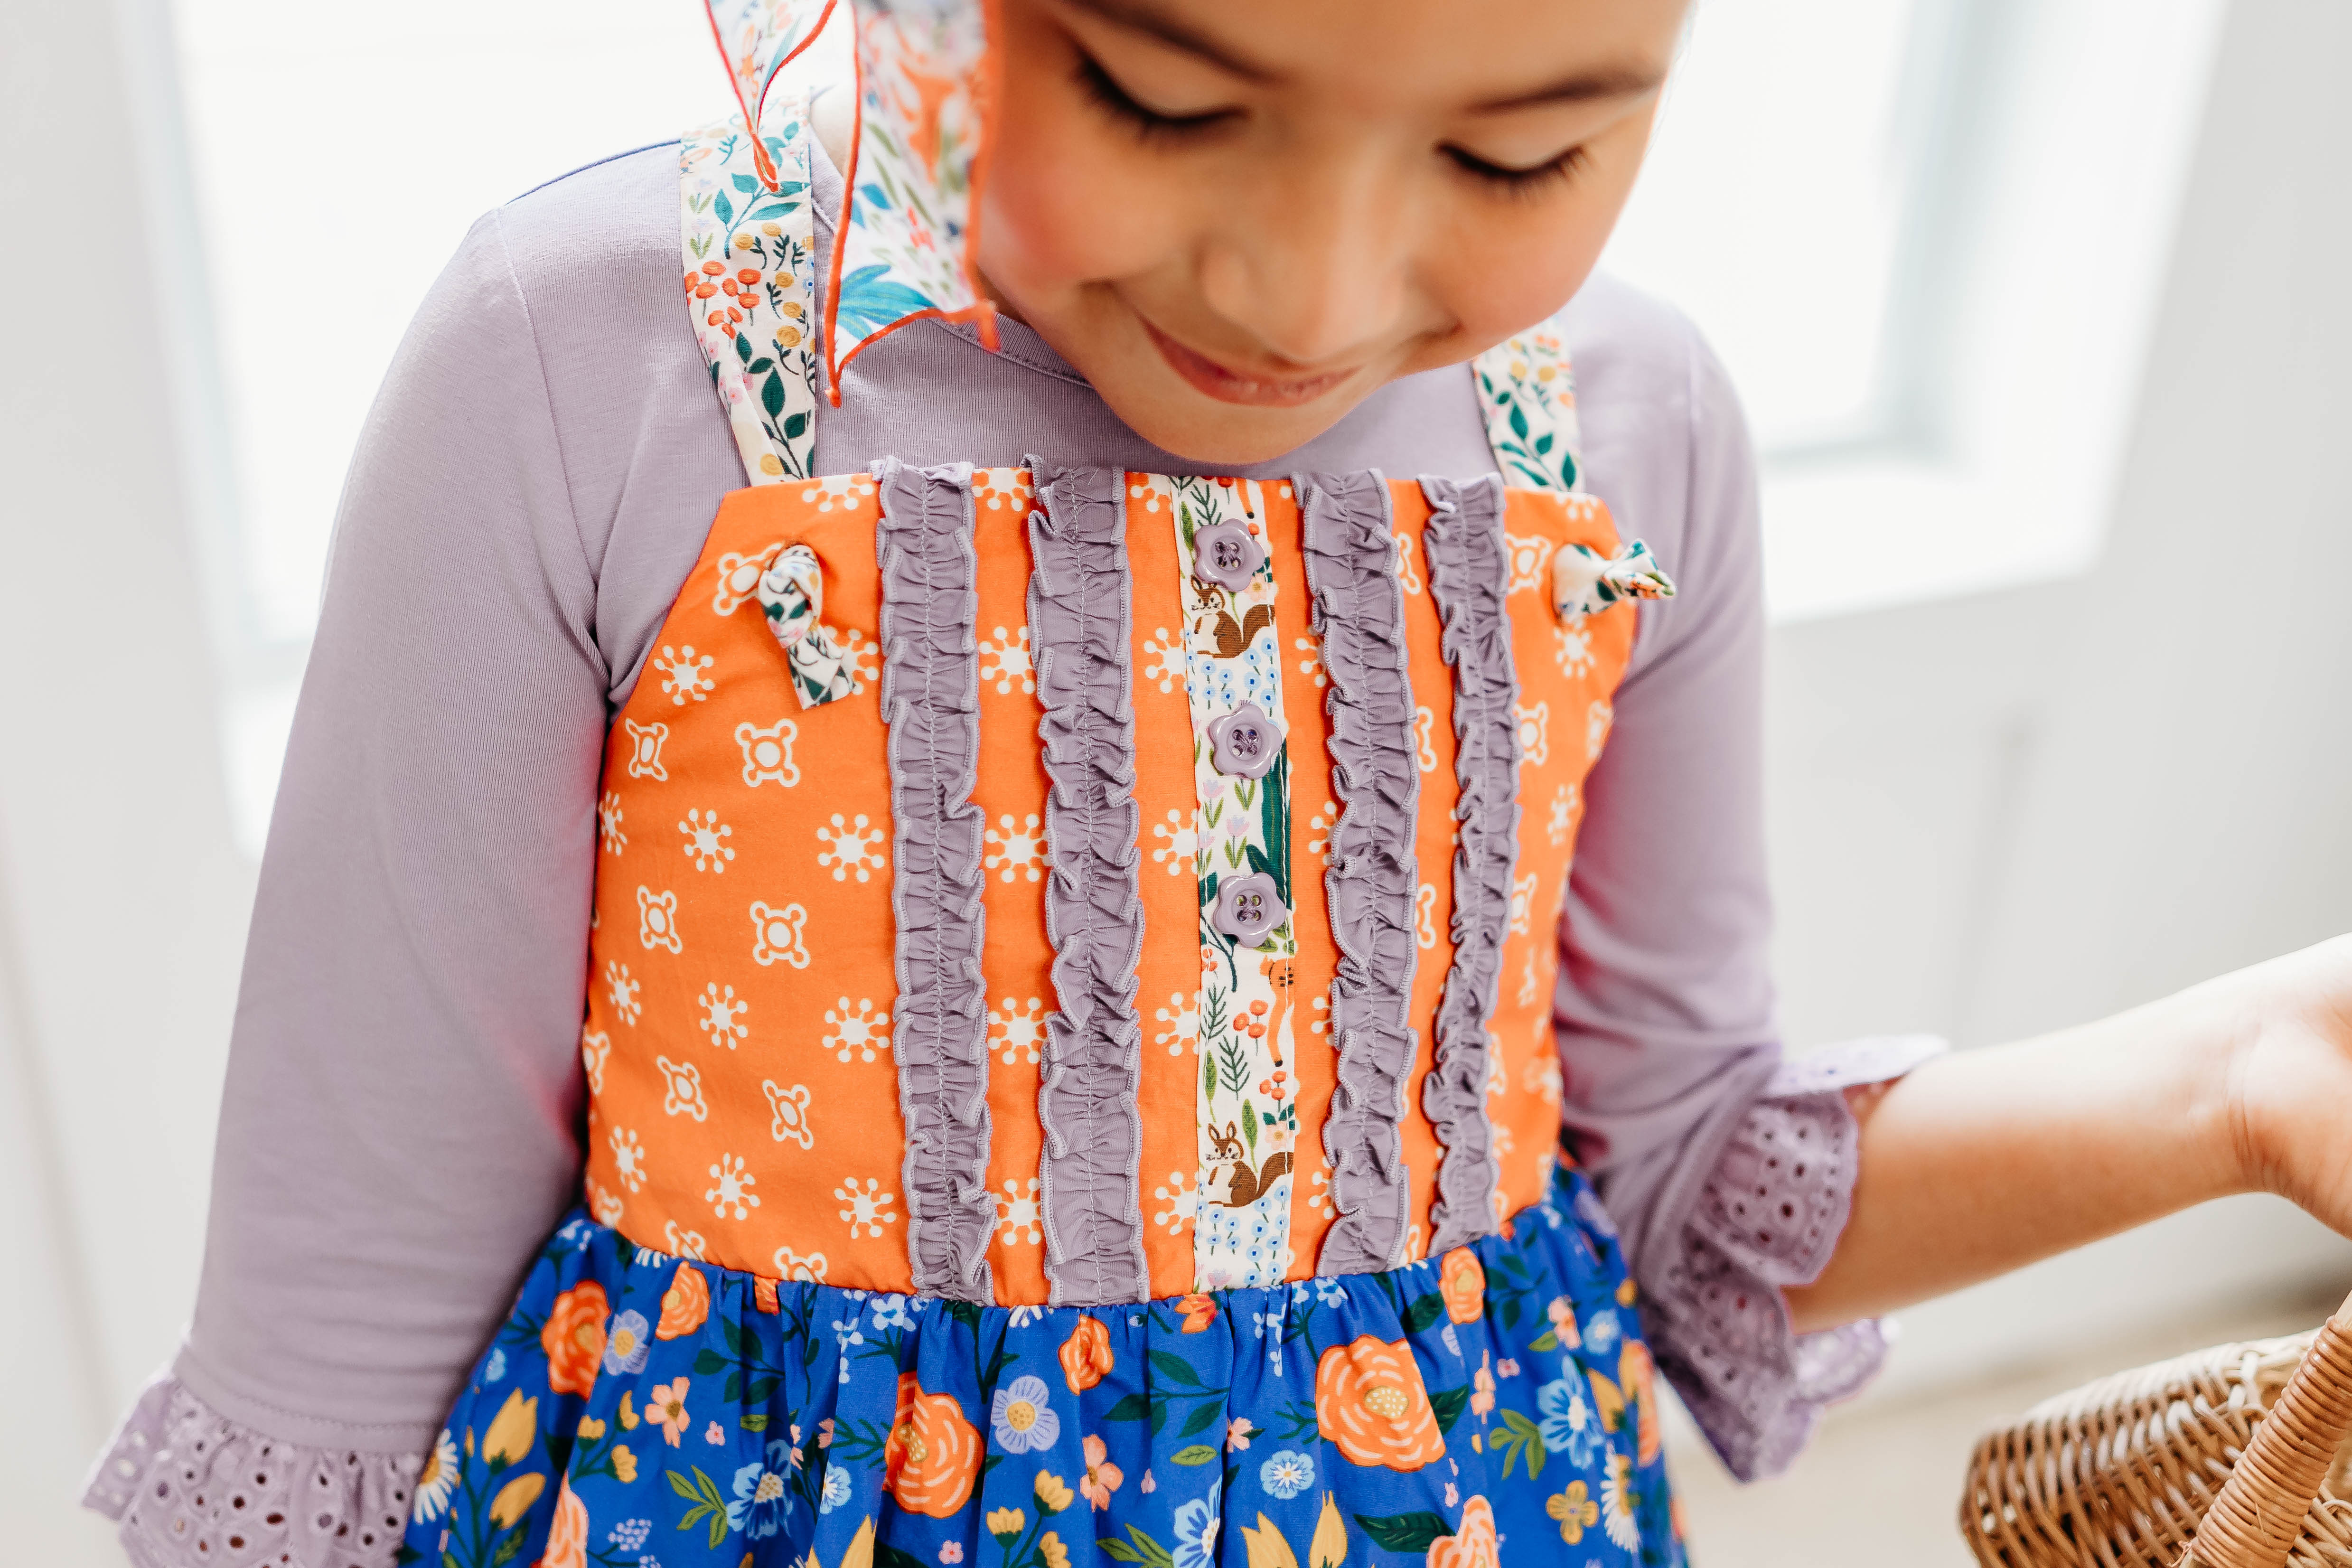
{"points": [[1458, 55]]}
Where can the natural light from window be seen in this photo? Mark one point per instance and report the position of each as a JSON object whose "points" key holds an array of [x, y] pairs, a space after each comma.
{"points": [[339, 154]]}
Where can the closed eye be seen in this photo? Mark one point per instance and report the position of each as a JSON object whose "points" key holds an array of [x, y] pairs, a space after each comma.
{"points": [[1121, 105], [1508, 181]]}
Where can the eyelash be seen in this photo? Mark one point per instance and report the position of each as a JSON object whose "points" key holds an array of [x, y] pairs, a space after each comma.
{"points": [[1521, 183], [1147, 125], [1150, 126]]}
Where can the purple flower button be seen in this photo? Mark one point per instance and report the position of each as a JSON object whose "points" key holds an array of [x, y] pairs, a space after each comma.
{"points": [[1245, 742], [1248, 907], [1225, 556]]}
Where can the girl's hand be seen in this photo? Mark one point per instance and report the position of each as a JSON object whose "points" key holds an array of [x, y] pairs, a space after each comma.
{"points": [[2288, 1085]]}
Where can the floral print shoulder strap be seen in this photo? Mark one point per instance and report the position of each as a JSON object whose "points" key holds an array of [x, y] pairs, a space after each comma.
{"points": [[750, 284], [1527, 391]]}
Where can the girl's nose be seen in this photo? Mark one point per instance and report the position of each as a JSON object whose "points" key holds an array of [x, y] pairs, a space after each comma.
{"points": [[1316, 277]]}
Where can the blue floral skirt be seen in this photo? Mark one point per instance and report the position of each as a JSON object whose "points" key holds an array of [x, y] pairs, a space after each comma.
{"points": [[643, 1409]]}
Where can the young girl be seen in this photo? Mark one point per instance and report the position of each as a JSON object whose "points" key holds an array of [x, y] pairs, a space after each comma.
{"points": [[1060, 870]]}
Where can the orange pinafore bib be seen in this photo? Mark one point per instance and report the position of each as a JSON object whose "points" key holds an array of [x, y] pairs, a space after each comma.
{"points": [[1081, 886]]}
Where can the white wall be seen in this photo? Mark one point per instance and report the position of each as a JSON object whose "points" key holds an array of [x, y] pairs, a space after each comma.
{"points": [[1998, 816], [1989, 817], [122, 906]]}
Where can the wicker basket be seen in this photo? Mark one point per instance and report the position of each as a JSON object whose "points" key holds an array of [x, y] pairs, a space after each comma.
{"points": [[2246, 1441]]}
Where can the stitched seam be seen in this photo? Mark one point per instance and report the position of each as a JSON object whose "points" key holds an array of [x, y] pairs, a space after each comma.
{"points": [[586, 634]]}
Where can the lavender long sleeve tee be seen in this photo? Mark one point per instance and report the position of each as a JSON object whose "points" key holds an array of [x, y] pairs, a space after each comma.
{"points": [[400, 1124]]}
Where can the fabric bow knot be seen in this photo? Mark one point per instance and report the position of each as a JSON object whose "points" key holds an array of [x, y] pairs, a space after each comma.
{"points": [[1584, 581], [791, 591]]}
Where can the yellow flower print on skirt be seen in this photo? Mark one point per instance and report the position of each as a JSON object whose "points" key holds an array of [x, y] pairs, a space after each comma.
{"points": [[639, 1405]]}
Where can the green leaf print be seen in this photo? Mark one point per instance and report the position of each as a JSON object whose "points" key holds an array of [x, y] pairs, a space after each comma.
{"points": [[1145, 1551], [1273, 818], [771, 396], [1249, 1124], [745, 183], [1520, 1439], [1194, 1453], [1172, 1367], [1411, 1533], [1447, 1406], [704, 1494], [1422, 1312]]}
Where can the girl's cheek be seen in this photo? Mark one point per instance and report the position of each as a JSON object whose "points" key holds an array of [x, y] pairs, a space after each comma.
{"points": [[1064, 210], [1505, 263]]}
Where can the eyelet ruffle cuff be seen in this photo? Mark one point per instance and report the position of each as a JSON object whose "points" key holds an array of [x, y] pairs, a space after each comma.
{"points": [[1767, 1219], [190, 1488]]}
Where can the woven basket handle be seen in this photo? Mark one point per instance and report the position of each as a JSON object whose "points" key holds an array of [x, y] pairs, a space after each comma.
{"points": [[2256, 1521]]}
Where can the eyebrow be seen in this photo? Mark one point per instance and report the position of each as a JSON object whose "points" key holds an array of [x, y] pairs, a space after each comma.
{"points": [[1586, 87], [1140, 17]]}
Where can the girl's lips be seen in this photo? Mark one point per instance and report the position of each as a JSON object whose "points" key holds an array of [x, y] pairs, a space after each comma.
{"points": [[1214, 380]]}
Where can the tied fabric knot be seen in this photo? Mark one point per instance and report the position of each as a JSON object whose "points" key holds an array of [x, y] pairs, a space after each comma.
{"points": [[791, 591], [1584, 581]]}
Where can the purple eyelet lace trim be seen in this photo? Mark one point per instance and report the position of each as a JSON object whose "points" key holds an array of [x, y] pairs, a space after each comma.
{"points": [[1359, 618], [190, 1488], [1468, 570], [1767, 1219], [1080, 603], [930, 698]]}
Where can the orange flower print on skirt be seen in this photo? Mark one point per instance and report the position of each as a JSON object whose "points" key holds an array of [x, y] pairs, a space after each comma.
{"points": [[1086, 1355], [573, 1339], [1371, 1402], [1462, 1282], [685, 1304], [1416, 1417], [567, 1532], [1473, 1543], [933, 1455]]}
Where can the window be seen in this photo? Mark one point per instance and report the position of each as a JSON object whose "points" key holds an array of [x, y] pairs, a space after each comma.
{"points": [[1926, 240], [1926, 236]]}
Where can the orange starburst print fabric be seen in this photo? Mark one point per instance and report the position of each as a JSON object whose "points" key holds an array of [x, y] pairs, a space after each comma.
{"points": [[739, 1036]]}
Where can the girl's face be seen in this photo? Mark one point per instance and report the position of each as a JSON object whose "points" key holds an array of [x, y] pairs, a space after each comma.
{"points": [[1237, 220]]}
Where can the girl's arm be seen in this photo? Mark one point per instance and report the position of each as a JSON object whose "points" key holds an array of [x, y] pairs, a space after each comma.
{"points": [[1982, 1161], [399, 1129], [1726, 1169]]}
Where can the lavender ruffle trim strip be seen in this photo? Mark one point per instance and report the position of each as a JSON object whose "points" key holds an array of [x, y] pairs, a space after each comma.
{"points": [[1079, 615], [1359, 617], [192, 1489], [930, 698], [1469, 571], [1768, 1218]]}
